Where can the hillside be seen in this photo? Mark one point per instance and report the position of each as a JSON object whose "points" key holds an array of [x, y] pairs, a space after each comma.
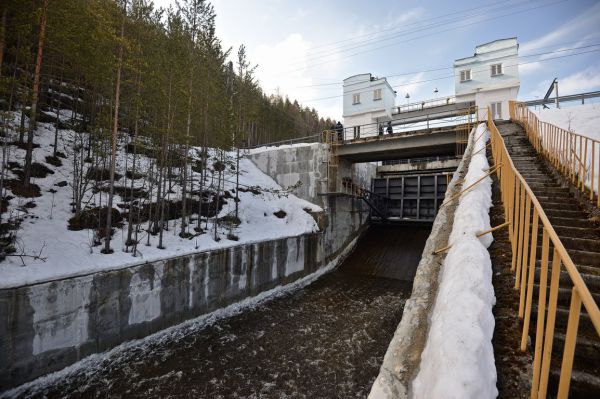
{"points": [[47, 242]]}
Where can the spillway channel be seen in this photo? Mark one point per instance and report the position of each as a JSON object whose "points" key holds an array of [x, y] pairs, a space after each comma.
{"points": [[326, 340]]}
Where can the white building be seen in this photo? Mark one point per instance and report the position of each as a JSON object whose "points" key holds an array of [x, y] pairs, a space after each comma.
{"points": [[367, 101], [490, 77]]}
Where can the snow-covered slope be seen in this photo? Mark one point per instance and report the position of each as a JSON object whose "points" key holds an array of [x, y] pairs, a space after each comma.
{"points": [[581, 119], [65, 252]]}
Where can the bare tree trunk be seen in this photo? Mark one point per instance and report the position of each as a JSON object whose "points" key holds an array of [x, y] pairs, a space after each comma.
{"points": [[2, 36], [113, 159], [57, 104], [162, 178], [133, 168], [218, 198], [35, 94]]}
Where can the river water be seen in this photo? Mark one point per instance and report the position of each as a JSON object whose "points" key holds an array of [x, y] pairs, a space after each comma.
{"points": [[326, 340]]}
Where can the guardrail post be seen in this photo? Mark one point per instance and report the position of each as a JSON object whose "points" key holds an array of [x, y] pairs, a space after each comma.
{"points": [[570, 342], [526, 243], [539, 334], [549, 335], [530, 278]]}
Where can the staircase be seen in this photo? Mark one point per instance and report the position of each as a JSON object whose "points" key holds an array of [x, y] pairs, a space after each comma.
{"points": [[581, 238]]}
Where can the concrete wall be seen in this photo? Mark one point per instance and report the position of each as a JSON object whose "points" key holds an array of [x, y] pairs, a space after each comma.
{"points": [[308, 165], [48, 326], [287, 166]]}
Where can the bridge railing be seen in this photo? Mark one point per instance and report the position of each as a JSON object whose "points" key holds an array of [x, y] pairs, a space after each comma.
{"points": [[574, 155], [418, 105], [526, 217]]}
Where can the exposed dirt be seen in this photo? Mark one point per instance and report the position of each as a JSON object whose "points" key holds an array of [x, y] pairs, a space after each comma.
{"points": [[513, 367]]}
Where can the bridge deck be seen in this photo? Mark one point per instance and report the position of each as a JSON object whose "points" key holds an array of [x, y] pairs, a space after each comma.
{"points": [[422, 143]]}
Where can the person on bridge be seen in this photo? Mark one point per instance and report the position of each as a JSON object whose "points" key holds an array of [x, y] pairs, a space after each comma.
{"points": [[339, 128], [390, 130], [380, 129]]}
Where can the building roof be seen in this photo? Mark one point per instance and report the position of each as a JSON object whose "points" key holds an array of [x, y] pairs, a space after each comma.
{"points": [[512, 40]]}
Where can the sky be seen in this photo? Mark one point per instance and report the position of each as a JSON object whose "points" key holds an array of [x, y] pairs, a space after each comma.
{"points": [[305, 49]]}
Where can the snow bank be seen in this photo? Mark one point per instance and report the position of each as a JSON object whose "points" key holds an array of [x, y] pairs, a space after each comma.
{"points": [[581, 119], [458, 359]]}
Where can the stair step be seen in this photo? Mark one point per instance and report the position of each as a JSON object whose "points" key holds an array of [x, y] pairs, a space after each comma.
{"points": [[590, 277], [568, 222], [562, 318], [564, 297], [559, 205], [565, 213], [584, 385], [579, 232]]}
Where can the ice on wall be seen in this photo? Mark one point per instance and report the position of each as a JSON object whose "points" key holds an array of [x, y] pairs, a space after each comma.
{"points": [[192, 271], [145, 296], [60, 314], [243, 270], [295, 256]]}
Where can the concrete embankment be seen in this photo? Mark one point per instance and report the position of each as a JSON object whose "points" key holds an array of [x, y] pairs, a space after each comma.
{"points": [[50, 325]]}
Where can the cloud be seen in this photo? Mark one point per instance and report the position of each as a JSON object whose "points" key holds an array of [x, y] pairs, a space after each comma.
{"points": [[529, 67], [589, 20], [585, 80], [411, 84], [274, 72]]}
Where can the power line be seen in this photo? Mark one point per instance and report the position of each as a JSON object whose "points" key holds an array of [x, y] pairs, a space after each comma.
{"points": [[453, 75], [376, 33], [432, 33], [395, 74]]}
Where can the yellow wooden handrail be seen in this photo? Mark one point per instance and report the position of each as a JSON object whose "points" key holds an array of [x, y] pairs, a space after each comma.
{"points": [[520, 203], [567, 151]]}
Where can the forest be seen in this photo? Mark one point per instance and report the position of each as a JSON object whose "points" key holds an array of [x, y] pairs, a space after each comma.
{"points": [[134, 84]]}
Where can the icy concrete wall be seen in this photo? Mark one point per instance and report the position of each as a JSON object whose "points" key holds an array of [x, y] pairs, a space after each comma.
{"points": [[289, 165], [48, 326], [307, 164]]}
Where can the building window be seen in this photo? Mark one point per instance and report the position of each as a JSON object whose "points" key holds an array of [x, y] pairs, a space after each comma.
{"points": [[497, 110], [465, 75], [496, 69], [376, 94], [356, 99]]}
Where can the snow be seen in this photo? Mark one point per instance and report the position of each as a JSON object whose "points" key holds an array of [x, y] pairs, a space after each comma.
{"points": [[458, 359], [583, 120], [70, 253], [96, 361]]}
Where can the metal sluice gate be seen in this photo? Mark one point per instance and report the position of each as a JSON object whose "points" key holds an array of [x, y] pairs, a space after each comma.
{"points": [[411, 198]]}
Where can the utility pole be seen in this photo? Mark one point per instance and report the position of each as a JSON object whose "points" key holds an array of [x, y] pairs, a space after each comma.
{"points": [[556, 90]]}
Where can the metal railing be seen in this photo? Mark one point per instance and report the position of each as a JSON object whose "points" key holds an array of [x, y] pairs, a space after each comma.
{"points": [[574, 155], [525, 216], [313, 138], [419, 105]]}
